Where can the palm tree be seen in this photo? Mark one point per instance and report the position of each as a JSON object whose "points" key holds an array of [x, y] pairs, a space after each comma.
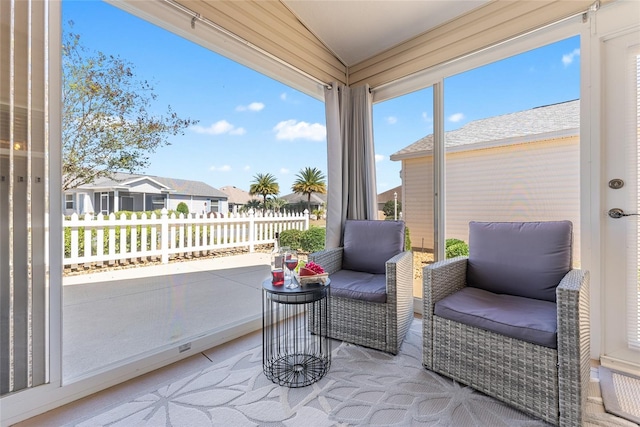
{"points": [[254, 204], [308, 181], [264, 185], [276, 204]]}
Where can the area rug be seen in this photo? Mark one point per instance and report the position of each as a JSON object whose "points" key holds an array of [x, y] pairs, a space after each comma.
{"points": [[363, 387], [620, 393]]}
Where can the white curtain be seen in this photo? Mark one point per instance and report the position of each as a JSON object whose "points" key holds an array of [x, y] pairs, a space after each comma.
{"points": [[351, 158]]}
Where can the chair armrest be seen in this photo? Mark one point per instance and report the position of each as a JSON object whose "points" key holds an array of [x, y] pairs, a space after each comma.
{"points": [[439, 280], [329, 259], [442, 279], [399, 272], [399, 277], [572, 299]]}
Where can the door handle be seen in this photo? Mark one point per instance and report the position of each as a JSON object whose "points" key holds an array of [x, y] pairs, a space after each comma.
{"points": [[619, 213]]}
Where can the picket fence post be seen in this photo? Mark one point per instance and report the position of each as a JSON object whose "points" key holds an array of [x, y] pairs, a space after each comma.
{"points": [[164, 236], [252, 230]]}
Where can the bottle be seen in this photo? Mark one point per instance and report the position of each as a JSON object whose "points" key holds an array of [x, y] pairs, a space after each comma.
{"points": [[277, 263]]}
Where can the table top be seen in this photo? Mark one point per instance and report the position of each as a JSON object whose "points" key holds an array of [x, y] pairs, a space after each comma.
{"points": [[312, 288]]}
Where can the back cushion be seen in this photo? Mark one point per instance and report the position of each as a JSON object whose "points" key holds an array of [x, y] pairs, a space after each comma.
{"points": [[527, 259], [369, 244]]}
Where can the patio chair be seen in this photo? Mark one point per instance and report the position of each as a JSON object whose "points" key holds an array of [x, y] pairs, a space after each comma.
{"points": [[512, 319], [371, 301]]}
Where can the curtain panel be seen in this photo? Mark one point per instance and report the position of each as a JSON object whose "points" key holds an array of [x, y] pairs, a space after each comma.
{"points": [[351, 158]]}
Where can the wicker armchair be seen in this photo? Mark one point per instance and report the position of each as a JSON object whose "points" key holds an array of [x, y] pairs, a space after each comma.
{"points": [[371, 302], [548, 380]]}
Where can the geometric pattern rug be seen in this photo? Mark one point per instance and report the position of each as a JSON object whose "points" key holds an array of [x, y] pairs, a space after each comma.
{"points": [[363, 387], [620, 393]]}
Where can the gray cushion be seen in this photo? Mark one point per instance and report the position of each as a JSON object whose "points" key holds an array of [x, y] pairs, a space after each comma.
{"points": [[368, 245], [526, 319], [359, 285], [527, 259]]}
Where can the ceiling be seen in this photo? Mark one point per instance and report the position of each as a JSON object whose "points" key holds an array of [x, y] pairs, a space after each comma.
{"points": [[355, 30]]}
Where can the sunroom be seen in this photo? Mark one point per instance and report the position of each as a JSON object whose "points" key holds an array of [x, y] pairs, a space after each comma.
{"points": [[334, 52]]}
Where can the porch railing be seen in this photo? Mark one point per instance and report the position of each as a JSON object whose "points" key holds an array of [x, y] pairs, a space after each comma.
{"points": [[110, 239]]}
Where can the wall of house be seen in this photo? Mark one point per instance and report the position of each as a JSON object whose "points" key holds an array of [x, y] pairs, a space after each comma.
{"points": [[417, 209], [198, 204], [537, 181]]}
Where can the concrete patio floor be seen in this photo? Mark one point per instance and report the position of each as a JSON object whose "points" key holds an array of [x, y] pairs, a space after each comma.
{"points": [[114, 315]]}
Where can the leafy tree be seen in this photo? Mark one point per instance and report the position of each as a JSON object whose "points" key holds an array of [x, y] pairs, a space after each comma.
{"points": [[264, 185], [107, 123], [309, 181], [388, 208]]}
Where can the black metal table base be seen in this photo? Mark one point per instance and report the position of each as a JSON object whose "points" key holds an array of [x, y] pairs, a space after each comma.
{"points": [[292, 355], [296, 370]]}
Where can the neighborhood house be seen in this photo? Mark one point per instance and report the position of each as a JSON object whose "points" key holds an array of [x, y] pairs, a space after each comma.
{"points": [[139, 193], [503, 168]]}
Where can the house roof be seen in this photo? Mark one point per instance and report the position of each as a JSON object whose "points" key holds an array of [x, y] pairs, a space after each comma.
{"points": [[536, 124], [316, 198], [237, 196], [172, 185], [385, 196]]}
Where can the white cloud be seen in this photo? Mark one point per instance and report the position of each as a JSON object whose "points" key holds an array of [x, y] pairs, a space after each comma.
{"points": [[246, 168], [457, 117], [380, 157], [283, 96], [293, 129], [223, 168], [568, 58], [392, 120], [284, 171], [218, 128], [426, 117], [254, 106]]}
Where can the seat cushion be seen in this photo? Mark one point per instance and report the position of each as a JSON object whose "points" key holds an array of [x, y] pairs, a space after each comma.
{"points": [[526, 319], [359, 285], [368, 245], [527, 259]]}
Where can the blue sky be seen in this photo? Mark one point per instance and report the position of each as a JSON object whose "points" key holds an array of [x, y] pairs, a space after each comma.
{"points": [[249, 123]]}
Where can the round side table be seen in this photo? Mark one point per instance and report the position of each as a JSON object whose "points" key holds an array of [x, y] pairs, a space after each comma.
{"points": [[296, 350]]}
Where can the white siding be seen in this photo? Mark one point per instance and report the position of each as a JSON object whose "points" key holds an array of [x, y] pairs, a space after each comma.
{"points": [[537, 181], [417, 206]]}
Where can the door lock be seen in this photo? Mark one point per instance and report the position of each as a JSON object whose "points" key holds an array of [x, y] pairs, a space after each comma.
{"points": [[619, 213]]}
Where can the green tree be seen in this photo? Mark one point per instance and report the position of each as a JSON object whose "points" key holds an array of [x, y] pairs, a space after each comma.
{"points": [[309, 181], [264, 184], [389, 208], [107, 124]]}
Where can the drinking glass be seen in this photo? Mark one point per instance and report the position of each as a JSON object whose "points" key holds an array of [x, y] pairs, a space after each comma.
{"points": [[291, 262]]}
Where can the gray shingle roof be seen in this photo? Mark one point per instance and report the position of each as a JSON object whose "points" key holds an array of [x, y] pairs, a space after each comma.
{"points": [[557, 118], [302, 198], [179, 186]]}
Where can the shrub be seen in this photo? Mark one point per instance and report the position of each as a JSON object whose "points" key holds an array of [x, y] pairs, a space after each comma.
{"points": [[182, 208], [456, 247], [312, 240], [291, 238], [407, 239]]}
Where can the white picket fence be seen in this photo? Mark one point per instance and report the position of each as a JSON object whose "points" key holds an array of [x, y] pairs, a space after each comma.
{"points": [[105, 240]]}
